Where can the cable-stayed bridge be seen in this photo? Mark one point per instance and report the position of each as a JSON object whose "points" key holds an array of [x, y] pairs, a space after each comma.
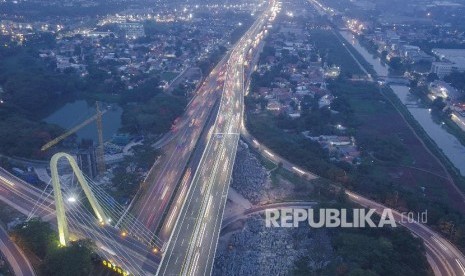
{"points": [[126, 244], [79, 208]]}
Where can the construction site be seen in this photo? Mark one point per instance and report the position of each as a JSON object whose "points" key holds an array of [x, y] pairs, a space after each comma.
{"points": [[99, 158]]}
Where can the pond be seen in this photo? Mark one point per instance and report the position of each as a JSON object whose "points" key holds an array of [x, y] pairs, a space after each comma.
{"points": [[74, 113]]}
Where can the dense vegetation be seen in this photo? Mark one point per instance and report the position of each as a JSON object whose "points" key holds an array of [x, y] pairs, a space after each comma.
{"points": [[37, 237], [394, 169], [147, 110], [366, 251], [283, 134], [365, 113], [293, 146], [457, 80], [30, 90], [214, 57], [333, 52], [127, 183], [29, 84]]}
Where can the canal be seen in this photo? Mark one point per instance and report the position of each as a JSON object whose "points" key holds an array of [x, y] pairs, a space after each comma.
{"points": [[448, 143]]}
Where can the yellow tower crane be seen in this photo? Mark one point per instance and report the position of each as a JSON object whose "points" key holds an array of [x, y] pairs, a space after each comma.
{"points": [[99, 151]]}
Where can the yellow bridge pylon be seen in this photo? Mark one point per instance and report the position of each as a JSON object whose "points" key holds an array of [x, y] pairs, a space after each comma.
{"points": [[63, 231]]}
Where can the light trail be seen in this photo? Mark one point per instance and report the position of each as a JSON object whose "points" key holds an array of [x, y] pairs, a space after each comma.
{"points": [[269, 153], [298, 170]]}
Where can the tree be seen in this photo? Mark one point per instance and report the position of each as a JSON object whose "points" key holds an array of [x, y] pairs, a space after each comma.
{"points": [[180, 90], [178, 52], [457, 80], [37, 236], [73, 260], [432, 77], [438, 104], [396, 63], [314, 57]]}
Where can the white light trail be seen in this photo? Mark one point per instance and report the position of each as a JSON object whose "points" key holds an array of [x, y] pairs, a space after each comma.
{"points": [[298, 170], [269, 153]]}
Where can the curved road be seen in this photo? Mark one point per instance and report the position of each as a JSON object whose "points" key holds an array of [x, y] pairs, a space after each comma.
{"points": [[444, 257], [259, 209], [15, 257]]}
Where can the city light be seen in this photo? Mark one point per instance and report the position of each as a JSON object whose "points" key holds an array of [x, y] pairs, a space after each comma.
{"points": [[196, 155]]}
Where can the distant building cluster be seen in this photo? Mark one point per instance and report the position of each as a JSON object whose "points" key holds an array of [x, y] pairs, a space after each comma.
{"points": [[293, 74], [120, 46], [450, 60], [132, 30], [390, 43]]}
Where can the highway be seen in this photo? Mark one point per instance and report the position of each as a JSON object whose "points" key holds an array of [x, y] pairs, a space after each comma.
{"points": [[443, 257], [192, 245], [194, 220], [127, 252], [167, 172], [261, 208], [165, 189], [15, 257]]}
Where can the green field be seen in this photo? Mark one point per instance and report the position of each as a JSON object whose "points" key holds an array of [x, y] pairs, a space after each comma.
{"points": [[168, 76]]}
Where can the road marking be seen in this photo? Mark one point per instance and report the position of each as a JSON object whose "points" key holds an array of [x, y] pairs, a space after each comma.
{"points": [[222, 208], [210, 186]]}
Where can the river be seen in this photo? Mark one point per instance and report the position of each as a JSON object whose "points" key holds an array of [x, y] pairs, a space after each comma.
{"points": [[74, 113], [448, 143]]}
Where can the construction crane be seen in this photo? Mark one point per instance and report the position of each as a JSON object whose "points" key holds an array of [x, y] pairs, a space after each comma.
{"points": [[99, 150]]}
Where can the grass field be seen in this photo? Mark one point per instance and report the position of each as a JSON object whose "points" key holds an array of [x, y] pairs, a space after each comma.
{"points": [[414, 169], [168, 76]]}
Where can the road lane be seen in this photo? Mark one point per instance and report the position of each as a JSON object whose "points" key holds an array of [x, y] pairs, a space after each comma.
{"points": [[15, 257], [192, 246], [132, 254]]}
